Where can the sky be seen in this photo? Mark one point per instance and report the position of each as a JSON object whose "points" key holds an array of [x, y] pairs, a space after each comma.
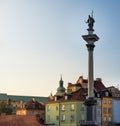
{"points": [[40, 40]]}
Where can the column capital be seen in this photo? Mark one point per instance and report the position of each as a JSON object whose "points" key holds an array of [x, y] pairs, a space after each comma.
{"points": [[90, 47]]}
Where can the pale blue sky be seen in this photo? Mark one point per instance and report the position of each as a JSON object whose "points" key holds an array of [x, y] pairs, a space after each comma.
{"points": [[41, 39]]}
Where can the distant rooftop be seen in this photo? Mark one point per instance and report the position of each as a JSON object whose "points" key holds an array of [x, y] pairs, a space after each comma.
{"points": [[4, 97]]}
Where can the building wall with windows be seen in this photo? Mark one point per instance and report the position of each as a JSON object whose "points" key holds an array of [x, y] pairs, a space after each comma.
{"points": [[106, 110], [72, 113], [52, 113], [98, 111], [65, 113]]}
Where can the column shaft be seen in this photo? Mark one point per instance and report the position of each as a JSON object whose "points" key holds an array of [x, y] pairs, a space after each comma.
{"points": [[90, 70]]}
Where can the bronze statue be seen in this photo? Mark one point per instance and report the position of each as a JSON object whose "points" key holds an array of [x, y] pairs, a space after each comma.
{"points": [[90, 22]]}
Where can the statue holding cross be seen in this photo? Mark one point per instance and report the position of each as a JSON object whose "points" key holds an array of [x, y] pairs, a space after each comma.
{"points": [[90, 22]]}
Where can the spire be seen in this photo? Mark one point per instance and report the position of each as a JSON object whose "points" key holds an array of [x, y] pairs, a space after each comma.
{"points": [[61, 77], [61, 81]]}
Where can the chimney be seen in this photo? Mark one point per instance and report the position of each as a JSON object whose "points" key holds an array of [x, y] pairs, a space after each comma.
{"points": [[99, 79], [55, 98]]}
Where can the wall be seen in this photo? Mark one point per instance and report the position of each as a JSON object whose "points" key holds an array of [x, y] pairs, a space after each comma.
{"points": [[116, 110]]}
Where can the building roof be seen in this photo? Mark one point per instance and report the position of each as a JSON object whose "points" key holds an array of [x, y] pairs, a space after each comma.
{"points": [[78, 95], [5, 97], [115, 92], [32, 104], [15, 120], [81, 82], [99, 86]]}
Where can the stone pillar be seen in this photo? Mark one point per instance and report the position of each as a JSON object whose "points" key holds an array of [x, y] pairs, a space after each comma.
{"points": [[90, 102], [90, 70]]}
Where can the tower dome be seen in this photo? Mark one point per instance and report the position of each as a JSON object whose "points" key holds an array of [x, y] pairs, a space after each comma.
{"points": [[60, 89]]}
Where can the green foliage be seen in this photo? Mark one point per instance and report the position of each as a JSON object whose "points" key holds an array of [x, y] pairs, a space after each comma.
{"points": [[5, 108]]}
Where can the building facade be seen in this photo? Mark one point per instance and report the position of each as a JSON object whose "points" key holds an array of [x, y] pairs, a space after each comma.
{"points": [[65, 113], [106, 110]]}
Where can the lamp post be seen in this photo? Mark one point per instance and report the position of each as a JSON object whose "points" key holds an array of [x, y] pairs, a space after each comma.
{"points": [[90, 102]]}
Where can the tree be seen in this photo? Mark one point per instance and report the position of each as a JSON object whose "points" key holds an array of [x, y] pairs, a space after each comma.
{"points": [[5, 108]]}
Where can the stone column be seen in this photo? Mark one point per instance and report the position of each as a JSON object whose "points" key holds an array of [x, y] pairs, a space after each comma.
{"points": [[90, 102], [90, 70]]}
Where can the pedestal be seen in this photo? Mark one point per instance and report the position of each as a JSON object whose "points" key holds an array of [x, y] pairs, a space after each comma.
{"points": [[90, 104]]}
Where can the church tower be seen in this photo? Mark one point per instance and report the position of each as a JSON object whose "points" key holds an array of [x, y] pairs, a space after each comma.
{"points": [[60, 89]]}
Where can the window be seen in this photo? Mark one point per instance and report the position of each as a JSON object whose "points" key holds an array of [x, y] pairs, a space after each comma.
{"points": [[57, 117], [109, 110], [98, 111], [104, 119], [72, 117], [33, 112], [48, 108], [56, 107], [33, 105], [109, 102], [63, 107], [72, 107], [104, 101], [109, 119], [98, 95], [63, 117], [82, 108], [48, 118], [105, 110], [106, 93], [99, 102], [82, 117]]}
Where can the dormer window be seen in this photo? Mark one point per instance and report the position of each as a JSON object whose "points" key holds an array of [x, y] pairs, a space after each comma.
{"points": [[106, 93], [98, 95], [33, 105]]}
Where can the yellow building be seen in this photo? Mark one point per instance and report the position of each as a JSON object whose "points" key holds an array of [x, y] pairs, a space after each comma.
{"points": [[106, 110]]}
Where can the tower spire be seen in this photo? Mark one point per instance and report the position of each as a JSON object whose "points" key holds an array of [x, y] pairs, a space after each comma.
{"points": [[61, 77]]}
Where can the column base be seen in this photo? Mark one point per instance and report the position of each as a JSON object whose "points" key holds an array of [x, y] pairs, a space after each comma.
{"points": [[89, 123], [90, 101]]}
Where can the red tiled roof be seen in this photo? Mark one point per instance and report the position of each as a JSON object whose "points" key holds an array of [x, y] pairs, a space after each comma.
{"points": [[32, 104], [98, 85], [71, 85], [14, 120], [78, 95]]}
